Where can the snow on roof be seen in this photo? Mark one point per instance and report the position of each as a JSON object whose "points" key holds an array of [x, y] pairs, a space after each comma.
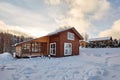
{"points": [[53, 33], [100, 39], [49, 34], [18, 43], [59, 30], [64, 29]]}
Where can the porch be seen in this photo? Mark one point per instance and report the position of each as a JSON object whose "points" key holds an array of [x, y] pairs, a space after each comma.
{"points": [[35, 47]]}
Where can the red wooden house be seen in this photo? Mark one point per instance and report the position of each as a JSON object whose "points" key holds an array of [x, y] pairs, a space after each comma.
{"points": [[57, 44]]}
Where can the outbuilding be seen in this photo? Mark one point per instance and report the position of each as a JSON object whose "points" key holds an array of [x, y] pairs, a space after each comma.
{"points": [[57, 44], [100, 42]]}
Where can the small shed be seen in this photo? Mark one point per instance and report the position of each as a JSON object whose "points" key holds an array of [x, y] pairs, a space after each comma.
{"points": [[57, 44]]}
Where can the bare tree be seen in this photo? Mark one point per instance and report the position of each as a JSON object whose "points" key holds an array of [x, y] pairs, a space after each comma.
{"points": [[7, 40], [85, 36]]}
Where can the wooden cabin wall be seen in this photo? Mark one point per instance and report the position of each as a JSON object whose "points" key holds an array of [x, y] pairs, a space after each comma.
{"points": [[18, 50], [45, 48], [64, 39], [55, 38], [44, 39]]}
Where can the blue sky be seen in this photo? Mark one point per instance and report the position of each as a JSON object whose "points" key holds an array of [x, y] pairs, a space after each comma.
{"points": [[98, 18]]}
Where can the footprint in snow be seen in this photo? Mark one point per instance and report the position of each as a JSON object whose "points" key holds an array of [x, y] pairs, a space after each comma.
{"points": [[2, 68], [113, 76], [28, 71], [96, 74]]}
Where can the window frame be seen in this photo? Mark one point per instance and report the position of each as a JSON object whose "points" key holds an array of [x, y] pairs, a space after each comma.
{"points": [[67, 49], [52, 48], [69, 34]]}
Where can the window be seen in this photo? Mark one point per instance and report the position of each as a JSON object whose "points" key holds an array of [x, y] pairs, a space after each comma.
{"points": [[36, 47], [26, 48], [67, 48], [70, 36], [53, 48]]}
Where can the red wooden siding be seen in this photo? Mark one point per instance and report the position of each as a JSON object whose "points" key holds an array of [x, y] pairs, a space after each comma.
{"points": [[56, 39], [59, 38], [75, 43]]}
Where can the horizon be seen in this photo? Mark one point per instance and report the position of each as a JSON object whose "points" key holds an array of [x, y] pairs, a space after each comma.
{"points": [[97, 18]]}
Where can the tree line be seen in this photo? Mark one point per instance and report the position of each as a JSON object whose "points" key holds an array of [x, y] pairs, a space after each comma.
{"points": [[112, 43], [7, 41]]}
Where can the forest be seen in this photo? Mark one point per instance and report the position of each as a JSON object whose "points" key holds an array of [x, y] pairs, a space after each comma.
{"points": [[8, 40]]}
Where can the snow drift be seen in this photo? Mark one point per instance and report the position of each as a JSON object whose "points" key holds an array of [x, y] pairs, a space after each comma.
{"points": [[6, 57]]}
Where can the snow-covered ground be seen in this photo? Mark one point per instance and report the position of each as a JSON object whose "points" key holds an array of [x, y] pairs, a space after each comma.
{"points": [[92, 64]]}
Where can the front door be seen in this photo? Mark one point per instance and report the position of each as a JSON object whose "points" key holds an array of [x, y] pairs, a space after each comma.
{"points": [[67, 48], [53, 48]]}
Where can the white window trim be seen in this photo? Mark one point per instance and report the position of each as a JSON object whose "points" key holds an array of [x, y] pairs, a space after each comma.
{"points": [[64, 49], [69, 37], [55, 48]]}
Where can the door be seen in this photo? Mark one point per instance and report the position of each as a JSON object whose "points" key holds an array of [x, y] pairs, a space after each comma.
{"points": [[52, 48], [67, 48]]}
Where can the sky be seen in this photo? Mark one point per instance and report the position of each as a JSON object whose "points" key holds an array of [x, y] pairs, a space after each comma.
{"points": [[97, 18]]}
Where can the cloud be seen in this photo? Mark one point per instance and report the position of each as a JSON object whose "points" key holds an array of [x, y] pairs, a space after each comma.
{"points": [[12, 29], [16, 15], [20, 31], [52, 2], [114, 31], [56, 13], [17, 19], [81, 13], [20, 15], [101, 8]]}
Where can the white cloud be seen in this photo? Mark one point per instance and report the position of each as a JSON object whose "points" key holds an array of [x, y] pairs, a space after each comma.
{"points": [[77, 13], [20, 30], [114, 31], [11, 29], [23, 20], [20, 15], [101, 9], [52, 2], [80, 13]]}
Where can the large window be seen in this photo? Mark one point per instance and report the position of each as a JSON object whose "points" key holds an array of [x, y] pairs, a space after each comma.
{"points": [[67, 48], [32, 47], [70, 36], [36, 47], [53, 48], [26, 48]]}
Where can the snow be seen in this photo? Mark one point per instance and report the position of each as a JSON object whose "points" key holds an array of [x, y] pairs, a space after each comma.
{"points": [[5, 57], [92, 64], [59, 30], [99, 39]]}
